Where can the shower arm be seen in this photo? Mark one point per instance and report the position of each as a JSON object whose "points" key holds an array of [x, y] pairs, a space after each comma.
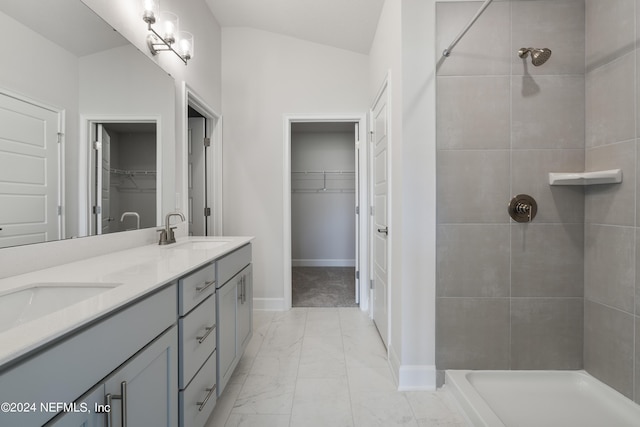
{"points": [[453, 44]]}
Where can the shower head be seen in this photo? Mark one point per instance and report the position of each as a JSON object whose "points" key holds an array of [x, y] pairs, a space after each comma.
{"points": [[538, 56]]}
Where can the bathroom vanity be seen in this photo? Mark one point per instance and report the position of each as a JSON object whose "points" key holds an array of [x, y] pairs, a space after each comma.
{"points": [[150, 338]]}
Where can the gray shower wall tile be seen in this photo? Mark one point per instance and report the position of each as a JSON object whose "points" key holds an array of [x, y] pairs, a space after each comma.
{"points": [[546, 333], [610, 30], [530, 175], [485, 49], [547, 260], [610, 102], [548, 112], [472, 333], [558, 26], [610, 271], [473, 260], [473, 186], [613, 204], [473, 112], [608, 346]]}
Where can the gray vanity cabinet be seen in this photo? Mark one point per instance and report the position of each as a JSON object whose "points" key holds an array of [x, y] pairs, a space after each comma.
{"points": [[235, 311], [197, 343], [147, 383], [85, 419]]}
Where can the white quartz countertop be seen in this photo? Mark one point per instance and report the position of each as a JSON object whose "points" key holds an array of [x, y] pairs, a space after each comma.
{"points": [[138, 271]]}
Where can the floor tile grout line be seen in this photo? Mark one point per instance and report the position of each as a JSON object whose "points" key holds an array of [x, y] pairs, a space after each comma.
{"points": [[295, 382]]}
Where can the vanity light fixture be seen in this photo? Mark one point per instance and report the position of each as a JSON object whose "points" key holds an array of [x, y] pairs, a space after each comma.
{"points": [[167, 37]]}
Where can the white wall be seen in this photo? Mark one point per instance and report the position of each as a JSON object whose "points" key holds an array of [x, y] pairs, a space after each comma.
{"points": [[419, 194], [266, 76], [404, 48], [50, 77], [322, 223], [122, 83]]}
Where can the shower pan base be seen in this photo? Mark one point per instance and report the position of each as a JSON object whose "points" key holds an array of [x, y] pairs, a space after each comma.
{"points": [[539, 398]]}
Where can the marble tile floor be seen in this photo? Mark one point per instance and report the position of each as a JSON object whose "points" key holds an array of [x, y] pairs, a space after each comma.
{"points": [[323, 367]]}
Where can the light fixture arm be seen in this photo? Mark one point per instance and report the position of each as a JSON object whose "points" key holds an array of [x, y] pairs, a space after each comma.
{"points": [[157, 43]]}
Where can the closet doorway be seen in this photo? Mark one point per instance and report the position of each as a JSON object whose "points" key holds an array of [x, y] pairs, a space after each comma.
{"points": [[324, 230]]}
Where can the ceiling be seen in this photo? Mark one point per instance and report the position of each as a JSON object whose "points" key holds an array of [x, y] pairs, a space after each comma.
{"points": [[345, 24]]}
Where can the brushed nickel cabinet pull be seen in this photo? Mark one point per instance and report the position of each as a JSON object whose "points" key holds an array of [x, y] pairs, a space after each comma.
{"points": [[123, 413], [204, 337], [206, 399], [206, 285]]}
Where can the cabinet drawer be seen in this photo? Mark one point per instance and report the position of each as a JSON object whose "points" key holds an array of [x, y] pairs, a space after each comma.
{"points": [[232, 263], [197, 342], [194, 406], [195, 287]]}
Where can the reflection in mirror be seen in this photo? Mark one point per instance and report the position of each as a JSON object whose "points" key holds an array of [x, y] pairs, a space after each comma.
{"points": [[71, 68], [124, 187]]}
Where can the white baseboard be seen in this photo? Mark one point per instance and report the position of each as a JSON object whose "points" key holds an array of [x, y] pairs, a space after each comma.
{"points": [[323, 262], [417, 378], [268, 304], [412, 377]]}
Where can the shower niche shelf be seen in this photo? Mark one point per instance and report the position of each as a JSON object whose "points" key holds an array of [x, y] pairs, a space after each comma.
{"points": [[612, 176]]}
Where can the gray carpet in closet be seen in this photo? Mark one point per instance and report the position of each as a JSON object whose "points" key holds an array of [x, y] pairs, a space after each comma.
{"points": [[323, 287]]}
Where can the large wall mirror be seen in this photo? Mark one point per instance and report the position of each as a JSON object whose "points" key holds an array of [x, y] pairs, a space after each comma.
{"points": [[87, 127]]}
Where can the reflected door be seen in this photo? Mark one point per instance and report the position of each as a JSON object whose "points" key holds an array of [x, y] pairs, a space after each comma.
{"points": [[197, 177], [30, 179]]}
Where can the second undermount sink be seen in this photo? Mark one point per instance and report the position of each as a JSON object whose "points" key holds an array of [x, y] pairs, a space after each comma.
{"points": [[39, 299]]}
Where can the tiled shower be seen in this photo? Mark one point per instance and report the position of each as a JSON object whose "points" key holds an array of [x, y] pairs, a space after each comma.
{"points": [[562, 291]]}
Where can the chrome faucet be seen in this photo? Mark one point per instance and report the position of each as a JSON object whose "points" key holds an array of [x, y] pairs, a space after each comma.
{"points": [[166, 234]]}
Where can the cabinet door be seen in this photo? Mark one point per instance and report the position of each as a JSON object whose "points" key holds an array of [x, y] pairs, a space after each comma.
{"points": [[90, 418], [245, 309], [227, 330], [148, 384]]}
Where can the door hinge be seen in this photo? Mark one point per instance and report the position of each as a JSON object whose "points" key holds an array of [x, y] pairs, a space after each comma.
{"points": [[59, 210], [372, 211], [357, 132], [207, 142], [207, 211], [97, 145], [97, 210], [357, 275], [60, 135], [371, 284], [371, 135], [357, 210]]}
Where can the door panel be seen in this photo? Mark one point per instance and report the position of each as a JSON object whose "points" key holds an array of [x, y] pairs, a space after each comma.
{"points": [[29, 173], [379, 117], [197, 177]]}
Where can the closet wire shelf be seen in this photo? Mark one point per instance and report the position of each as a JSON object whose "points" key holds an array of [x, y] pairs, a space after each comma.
{"points": [[323, 182], [129, 180]]}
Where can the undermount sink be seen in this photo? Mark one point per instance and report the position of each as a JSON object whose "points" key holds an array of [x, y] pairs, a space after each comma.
{"points": [[39, 299], [199, 245]]}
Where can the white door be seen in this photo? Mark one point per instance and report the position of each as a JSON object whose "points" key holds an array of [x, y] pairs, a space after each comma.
{"points": [[30, 180], [380, 232], [197, 177]]}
